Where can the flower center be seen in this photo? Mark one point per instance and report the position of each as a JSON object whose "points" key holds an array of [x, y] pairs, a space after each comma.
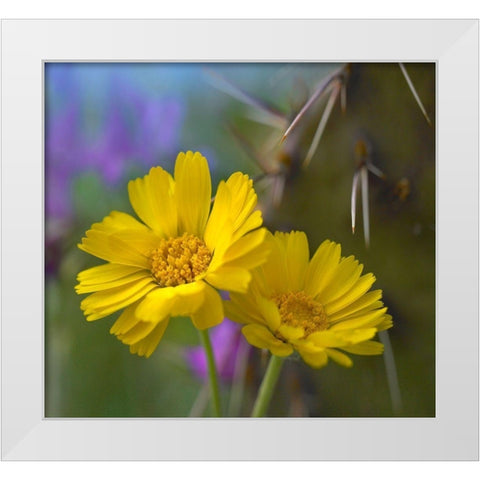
{"points": [[298, 309], [179, 260]]}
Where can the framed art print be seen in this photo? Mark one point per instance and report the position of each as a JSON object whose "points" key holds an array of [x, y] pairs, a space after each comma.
{"points": [[213, 241]]}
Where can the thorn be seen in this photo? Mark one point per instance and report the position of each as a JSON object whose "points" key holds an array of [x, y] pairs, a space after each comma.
{"points": [[354, 199], [321, 88], [414, 93], [272, 116], [322, 124], [343, 98], [376, 171], [366, 220]]}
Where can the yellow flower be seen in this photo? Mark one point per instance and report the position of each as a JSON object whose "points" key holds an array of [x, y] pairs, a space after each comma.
{"points": [[315, 307], [171, 264]]}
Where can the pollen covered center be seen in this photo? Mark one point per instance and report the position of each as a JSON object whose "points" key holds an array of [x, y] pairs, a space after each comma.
{"points": [[297, 309], [179, 260]]}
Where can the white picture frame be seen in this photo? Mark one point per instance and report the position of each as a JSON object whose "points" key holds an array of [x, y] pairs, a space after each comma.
{"points": [[451, 435]]}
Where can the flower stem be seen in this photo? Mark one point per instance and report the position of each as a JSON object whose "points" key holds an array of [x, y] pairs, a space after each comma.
{"points": [[268, 385], [212, 372]]}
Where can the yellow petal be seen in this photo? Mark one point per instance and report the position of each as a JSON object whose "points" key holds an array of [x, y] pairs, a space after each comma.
{"points": [[143, 242], [339, 357], [253, 221], [328, 338], [193, 192], [113, 249], [100, 304], [291, 333], [136, 333], [297, 257], [94, 287], [360, 288], [275, 269], [370, 319], [322, 267], [269, 312], [314, 359], [171, 301], [104, 274], [260, 337], [156, 305], [241, 248], [189, 298], [152, 198], [126, 321], [369, 347], [335, 312], [219, 215], [239, 309], [146, 347], [243, 197], [385, 324], [211, 312], [234, 279], [345, 277], [117, 221], [222, 244]]}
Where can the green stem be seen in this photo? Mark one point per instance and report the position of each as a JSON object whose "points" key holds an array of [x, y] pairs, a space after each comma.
{"points": [[268, 385], [212, 372]]}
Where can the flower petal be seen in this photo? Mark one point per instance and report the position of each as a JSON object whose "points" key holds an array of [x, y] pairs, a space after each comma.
{"points": [[211, 312], [103, 303], [260, 337], [297, 257], [106, 274], [357, 291], [243, 196], [322, 267], [234, 279], [314, 359], [275, 269], [339, 357], [147, 346], [385, 324], [370, 347], [370, 319], [171, 301], [219, 215], [241, 250], [193, 192], [269, 312], [328, 338], [291, 333], [116, 221], [95, 287], [125, 321], [366, 302], [240, 311], [112, 249], [136, 333], [345, 277], [152, 198]]}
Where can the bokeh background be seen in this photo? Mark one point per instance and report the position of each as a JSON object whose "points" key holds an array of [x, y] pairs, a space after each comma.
{"points": [[108, 123]]}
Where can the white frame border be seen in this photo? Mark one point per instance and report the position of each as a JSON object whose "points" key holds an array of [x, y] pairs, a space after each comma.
{"points": [[451, 435]]}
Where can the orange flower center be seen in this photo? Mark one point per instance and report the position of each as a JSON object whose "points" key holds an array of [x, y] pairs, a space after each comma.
{"points": [[179, 260], [297, 309]]}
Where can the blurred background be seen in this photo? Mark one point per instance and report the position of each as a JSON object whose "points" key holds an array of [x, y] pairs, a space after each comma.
{"points": [[108, 123]]}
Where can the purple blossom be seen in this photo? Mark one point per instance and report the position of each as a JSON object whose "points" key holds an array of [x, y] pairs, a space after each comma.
{"points": [[102, 120], [226, 341]]}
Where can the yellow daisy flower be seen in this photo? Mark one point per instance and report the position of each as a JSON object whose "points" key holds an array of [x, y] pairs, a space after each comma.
{"points": [[316, 307], [171, 264]]}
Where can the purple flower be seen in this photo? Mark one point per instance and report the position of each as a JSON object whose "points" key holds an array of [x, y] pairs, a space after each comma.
{"points": [[101, 119], [227, 344]]}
